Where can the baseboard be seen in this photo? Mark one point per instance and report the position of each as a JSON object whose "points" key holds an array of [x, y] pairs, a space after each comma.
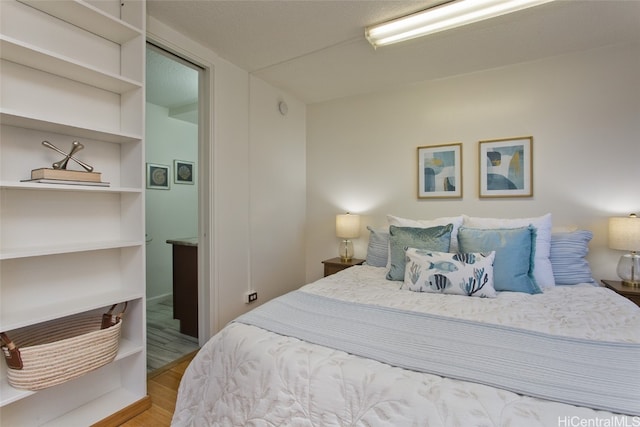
{"points": [[160, 298], [125, 414]]}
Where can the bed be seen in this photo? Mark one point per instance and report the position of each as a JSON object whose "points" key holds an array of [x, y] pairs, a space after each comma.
{"points": [[358, 348]]}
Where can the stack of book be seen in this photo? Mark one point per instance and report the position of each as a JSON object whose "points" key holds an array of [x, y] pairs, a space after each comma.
{"points": [[68, 177]]}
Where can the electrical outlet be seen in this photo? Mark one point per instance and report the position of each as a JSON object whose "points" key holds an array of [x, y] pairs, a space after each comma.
{"points": [[250, 297]]}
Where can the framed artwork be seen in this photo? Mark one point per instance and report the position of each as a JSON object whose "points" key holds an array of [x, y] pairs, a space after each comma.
{"points": [[183, 172], [157, 176], [506, 167], [440, 171]]}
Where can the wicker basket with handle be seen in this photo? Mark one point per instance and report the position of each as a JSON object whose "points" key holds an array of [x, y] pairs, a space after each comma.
{"points": [[50, 353]]}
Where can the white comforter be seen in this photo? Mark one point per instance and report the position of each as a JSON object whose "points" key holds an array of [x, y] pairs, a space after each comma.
{"points": [[246, 376]]}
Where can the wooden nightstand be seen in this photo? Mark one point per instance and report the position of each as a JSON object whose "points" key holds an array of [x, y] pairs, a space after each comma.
{"points": [[333, 265], [629, 292]]}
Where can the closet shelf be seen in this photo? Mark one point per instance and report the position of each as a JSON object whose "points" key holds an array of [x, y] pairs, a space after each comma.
{"points": [[88, 17], [41, 59]]}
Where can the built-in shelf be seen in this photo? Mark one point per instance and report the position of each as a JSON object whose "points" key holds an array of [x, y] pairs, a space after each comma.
{"points": [[95, 94], [86, 16], [109, 403], [32, 56], [24, 120], [9, 394], [19, 185], [16, 253], [16, 317]]}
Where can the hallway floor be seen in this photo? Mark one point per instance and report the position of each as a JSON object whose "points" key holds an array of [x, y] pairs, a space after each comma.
{"points": [[165, 343]]}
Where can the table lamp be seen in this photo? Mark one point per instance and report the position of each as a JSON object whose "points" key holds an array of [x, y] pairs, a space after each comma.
{"points": [[624, 235], [347, 227]]}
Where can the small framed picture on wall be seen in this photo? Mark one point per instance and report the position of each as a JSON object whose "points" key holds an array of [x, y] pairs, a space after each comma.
{"points": [[157, 176], [506, 167], [184, 172], [440, 171]]}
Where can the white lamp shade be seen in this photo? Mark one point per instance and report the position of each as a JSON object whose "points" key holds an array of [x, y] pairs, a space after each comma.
{"points": [[347, 226], [624, 233]]}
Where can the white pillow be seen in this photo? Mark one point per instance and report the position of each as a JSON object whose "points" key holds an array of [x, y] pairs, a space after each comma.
{"points": [[542, 270], [428, 223], [469, 274]]}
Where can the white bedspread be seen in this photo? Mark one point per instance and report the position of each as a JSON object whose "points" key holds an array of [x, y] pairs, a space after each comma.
{"points": [[245, 376]]}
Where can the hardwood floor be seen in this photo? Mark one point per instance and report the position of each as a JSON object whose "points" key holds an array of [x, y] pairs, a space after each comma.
{"points": [[168, 354], [162, 387]]}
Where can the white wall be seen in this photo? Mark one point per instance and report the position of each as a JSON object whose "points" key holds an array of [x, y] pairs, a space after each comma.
{"points": [[251, 219], [583, 111], [278, 191], [173, 213]]}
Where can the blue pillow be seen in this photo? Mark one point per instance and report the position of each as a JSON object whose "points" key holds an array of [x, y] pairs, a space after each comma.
{"points": [[515, 252], [568, 252], [400, 238], [378, 248]]}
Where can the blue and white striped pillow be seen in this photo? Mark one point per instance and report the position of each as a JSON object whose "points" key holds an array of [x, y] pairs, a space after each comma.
{"points": [[378, 248], [567, 255]]}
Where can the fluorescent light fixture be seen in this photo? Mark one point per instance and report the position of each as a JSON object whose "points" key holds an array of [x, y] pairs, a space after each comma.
{"points": [[443, 17]]}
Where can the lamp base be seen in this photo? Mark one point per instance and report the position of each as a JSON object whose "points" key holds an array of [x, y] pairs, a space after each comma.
{"points": [[629, 269], [346, 250], [631, 284]]}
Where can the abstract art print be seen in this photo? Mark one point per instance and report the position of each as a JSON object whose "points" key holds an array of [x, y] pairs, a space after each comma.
{"points": [[440, 171], [506, 167]]}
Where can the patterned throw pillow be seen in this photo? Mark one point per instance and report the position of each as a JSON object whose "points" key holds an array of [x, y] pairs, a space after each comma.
{"points": [[469, 274], [400, 238]]}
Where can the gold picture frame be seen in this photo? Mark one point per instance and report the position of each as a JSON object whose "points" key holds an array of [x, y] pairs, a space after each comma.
{"points": [[440, 171], [506, 167]]}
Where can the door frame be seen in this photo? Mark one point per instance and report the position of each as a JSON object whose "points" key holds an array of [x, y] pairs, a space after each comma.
{"points": [[207, 283]]}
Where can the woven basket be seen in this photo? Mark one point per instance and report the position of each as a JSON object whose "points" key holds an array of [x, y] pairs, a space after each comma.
{"points": [[51, 353]]}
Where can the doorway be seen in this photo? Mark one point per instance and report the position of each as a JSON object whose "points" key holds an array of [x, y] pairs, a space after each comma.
{"points": [[171, 203]]}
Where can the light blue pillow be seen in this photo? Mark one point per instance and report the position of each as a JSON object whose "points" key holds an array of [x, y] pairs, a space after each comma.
{"points": [[400, 238], [568, 252], [515, 252], [378, 248]]}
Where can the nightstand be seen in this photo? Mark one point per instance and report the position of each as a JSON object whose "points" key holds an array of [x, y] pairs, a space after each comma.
{"points": [[629, 292], [333, 265]]}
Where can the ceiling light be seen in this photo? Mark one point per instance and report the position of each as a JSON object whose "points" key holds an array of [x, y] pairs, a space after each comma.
{"points": [[444, 17]]}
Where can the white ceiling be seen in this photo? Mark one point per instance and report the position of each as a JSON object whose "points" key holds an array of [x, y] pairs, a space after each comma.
{"points": [[172, 84], [316, 50]]}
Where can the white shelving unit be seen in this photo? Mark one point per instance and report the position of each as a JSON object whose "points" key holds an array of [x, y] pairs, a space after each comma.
{"points": [[73, 70]]}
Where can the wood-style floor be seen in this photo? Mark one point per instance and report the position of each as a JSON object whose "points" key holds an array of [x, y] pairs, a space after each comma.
{"points": [[162, 387], [165, 343]]}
